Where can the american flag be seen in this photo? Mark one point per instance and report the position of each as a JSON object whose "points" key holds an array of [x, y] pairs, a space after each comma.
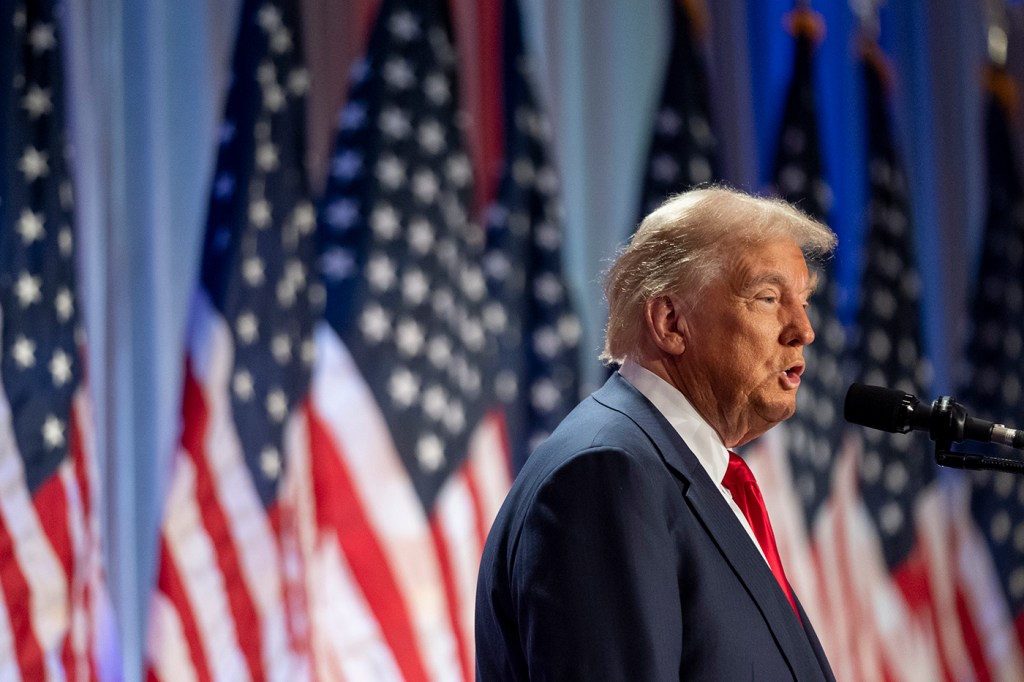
{"points": [[799, 177], [537, 378], [992, 389], [408, 467], [684, 149], [55, 616], [229, 600]]}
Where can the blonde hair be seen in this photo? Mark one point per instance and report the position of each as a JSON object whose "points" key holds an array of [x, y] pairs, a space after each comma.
{"points": [[682, 245]]}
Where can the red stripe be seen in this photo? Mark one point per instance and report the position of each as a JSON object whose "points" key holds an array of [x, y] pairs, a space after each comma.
{"points": [[195, 417], [16, 594], [911, 577], [92, 543], [479, 515], [448, 579], [169, 583], [1018, 624], [51, 505], [972, 642], [849, 594], [338, 508]]}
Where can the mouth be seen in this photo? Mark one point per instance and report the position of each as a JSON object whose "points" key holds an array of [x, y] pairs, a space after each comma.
{"points": [[791, 376]]}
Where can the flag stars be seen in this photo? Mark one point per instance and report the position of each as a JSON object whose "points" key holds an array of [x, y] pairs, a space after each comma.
{"points": [[30, 226], [390, 172], [399, 74], [60, 368], [668, 122], [37, 102], [266, 157], [64, 304], [269, 18], [431, 137], [353, 116], [403, 387], [421, 236], [42, 38], [298, 81], [384, 222], [281, 348], [395, 122], [342, 214], [304, 218], [409, 338], [23, 350], [270, 462], [425, 186], [27, 289], [247, 328], [277, 405], [430, 453], [346, 165], [34, 164], [242, 385], [374, 324], [415, 287], [53, 432], [380, 272], [404, 26], [437, 89], [260, 213], [253, 271]]}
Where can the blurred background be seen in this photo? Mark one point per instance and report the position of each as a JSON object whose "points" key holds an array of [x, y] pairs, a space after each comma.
{"points": [[896, 122]]}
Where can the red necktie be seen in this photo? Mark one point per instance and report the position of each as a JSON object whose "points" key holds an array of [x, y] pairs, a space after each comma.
{"points": [[739, 480]]}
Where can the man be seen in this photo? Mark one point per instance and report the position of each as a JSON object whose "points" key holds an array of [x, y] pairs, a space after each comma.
{"points": [[623, 551]]}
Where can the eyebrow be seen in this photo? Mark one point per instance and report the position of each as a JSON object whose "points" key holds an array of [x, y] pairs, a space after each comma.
{"points": [[780, 280]]}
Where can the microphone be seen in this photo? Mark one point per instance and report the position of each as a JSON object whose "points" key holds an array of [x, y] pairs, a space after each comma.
{"points": [[945, 420]]}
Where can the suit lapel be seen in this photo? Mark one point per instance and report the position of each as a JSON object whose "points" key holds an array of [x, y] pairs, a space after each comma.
{"points": [[724, 529]]}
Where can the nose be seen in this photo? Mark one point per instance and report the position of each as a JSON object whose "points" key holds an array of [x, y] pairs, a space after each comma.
{"points": [[798, 332]]}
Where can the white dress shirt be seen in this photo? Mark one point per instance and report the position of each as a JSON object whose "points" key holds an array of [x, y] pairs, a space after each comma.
{"points": [[691, 427]]}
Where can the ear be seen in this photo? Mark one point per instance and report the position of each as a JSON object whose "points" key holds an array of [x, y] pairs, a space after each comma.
{"points": [[666, 324]]}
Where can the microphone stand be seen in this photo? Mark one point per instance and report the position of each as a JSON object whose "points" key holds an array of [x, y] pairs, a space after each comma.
{"points": [[947, 426]]}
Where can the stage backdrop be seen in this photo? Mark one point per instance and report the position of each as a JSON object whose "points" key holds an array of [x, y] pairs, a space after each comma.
{"points": [[147, 86]]}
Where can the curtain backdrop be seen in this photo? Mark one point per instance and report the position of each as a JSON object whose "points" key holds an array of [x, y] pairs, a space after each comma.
{"points": [[147, 81]]}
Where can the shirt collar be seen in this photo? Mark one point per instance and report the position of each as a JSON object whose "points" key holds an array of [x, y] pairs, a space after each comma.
{"points": [[683, 416]]}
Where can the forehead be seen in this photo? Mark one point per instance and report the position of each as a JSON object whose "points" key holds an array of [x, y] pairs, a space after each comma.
{"points": [[778, 262]]}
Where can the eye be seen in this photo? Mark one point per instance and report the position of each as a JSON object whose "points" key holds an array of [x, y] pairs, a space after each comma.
{"points": [[768, 298]]}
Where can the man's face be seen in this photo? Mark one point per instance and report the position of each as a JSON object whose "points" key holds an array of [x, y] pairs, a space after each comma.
{"points": [[743, 358]]}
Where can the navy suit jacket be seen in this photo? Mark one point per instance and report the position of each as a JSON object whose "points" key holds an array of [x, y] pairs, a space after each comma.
{"points": [[615, 557]]}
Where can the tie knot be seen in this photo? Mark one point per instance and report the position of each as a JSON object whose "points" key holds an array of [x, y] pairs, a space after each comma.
{"points": [[737, 473]]}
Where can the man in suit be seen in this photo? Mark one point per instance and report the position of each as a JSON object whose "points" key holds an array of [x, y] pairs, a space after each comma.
{"points": [[628, 547]]}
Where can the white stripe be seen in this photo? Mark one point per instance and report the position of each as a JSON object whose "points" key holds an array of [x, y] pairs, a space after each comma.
{"points": [[979, 581], [105, 653], [489, 467], [38, 563], [194, 556], [169, 652], [254, 540], [939, 554], [81, 550], [459, 524], [344, 634], [346, 404]]}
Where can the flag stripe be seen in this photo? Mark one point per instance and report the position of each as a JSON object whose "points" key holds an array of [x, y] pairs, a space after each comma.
{"points": [[339, 508], [16, 593], [175, 625], [195, 434], [448, 578], [386, 498]]}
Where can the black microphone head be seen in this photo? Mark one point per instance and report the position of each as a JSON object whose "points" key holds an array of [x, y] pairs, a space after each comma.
{"points": [[877, 408]]}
